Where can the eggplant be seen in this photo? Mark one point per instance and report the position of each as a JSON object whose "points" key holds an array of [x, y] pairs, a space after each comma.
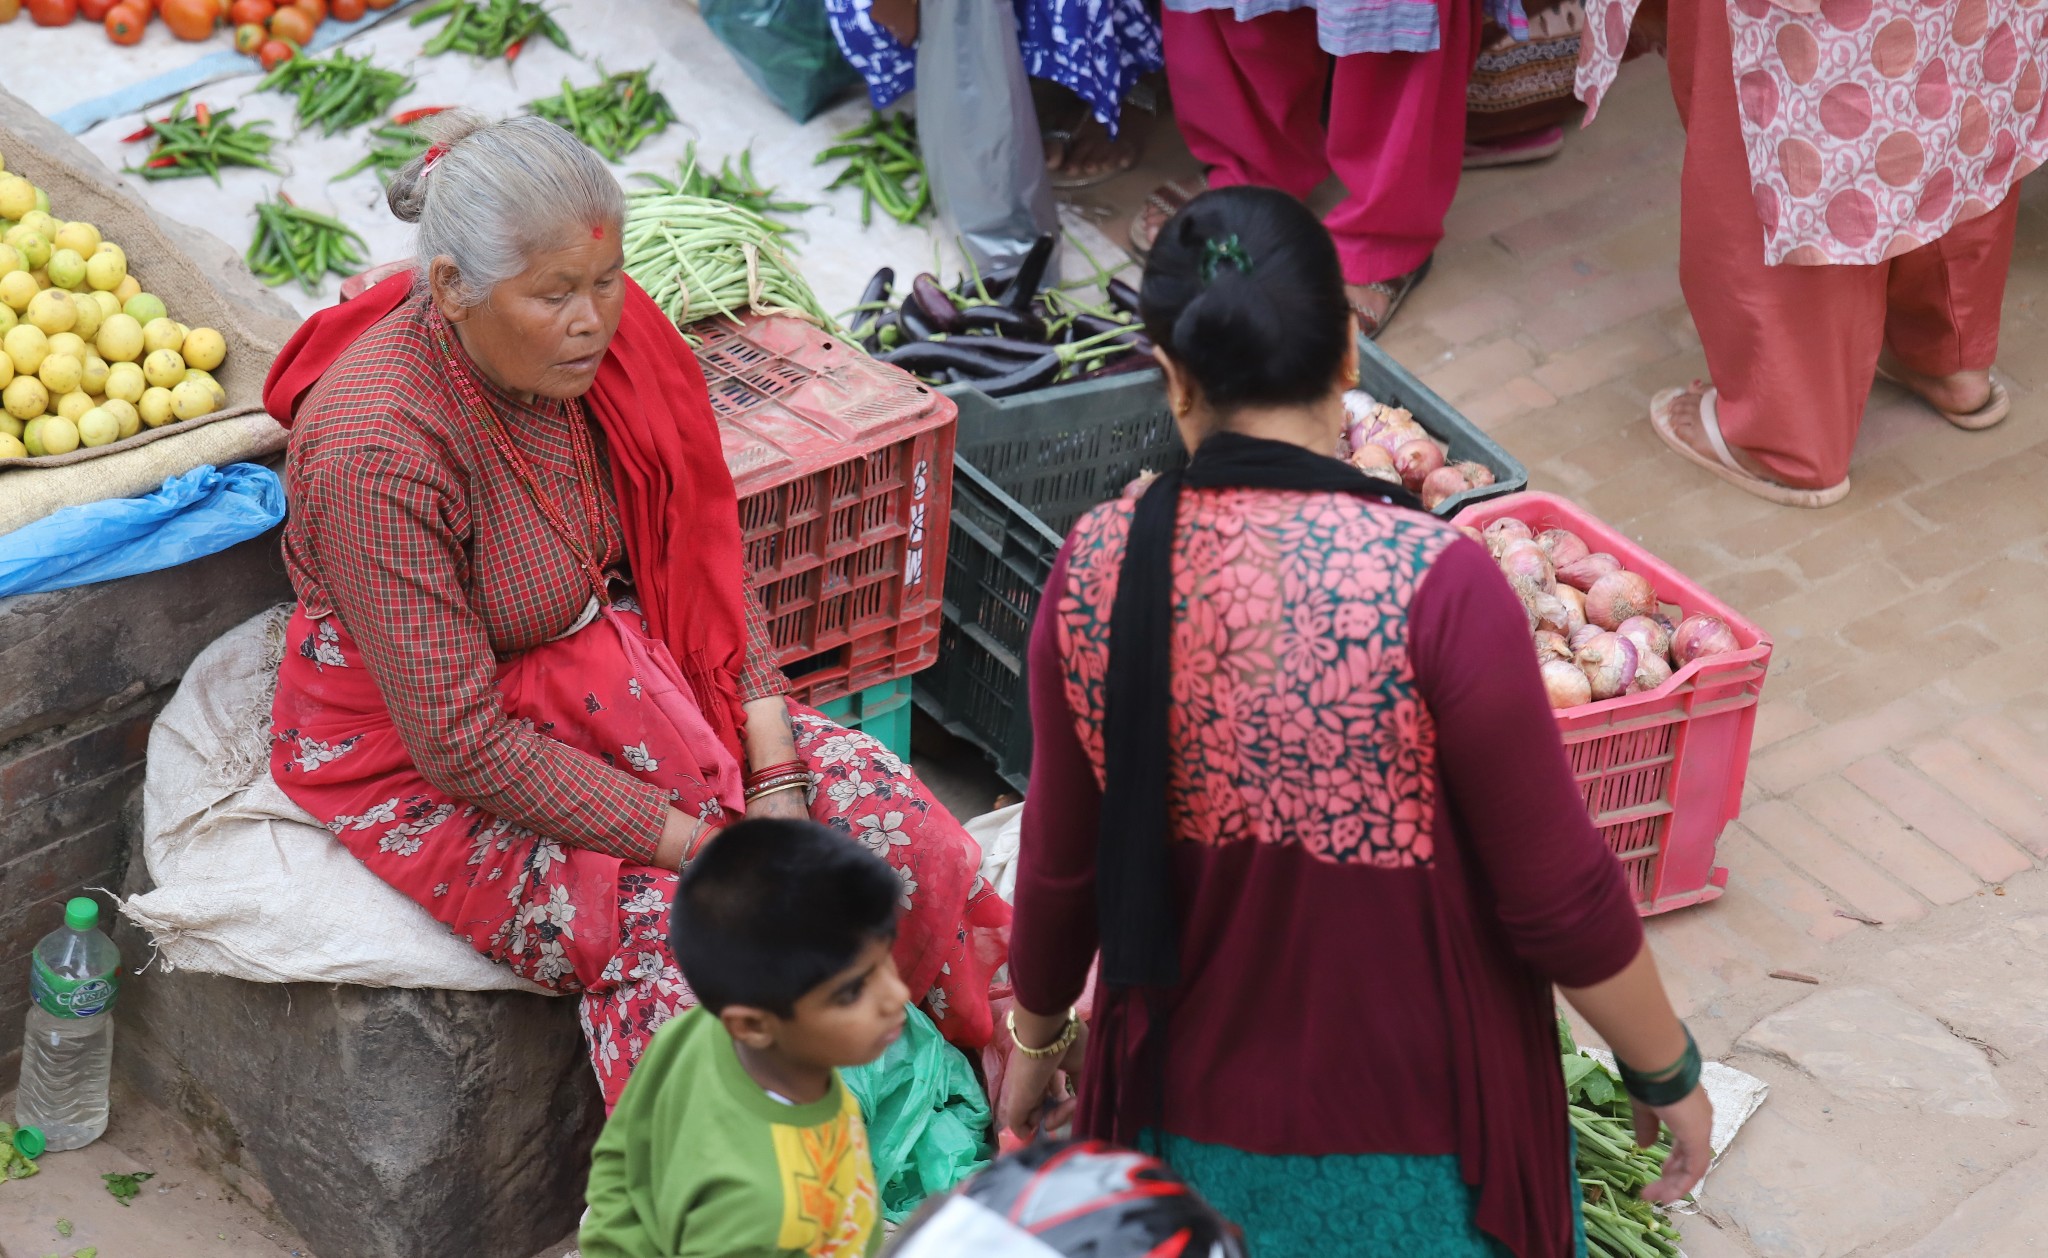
{"points": [[878, 287], [1124, 365], [1086, 325], [1035, 374], [1030, 275], [1011, 346], [871, 340], [933, 303], [1123, 297], [1003, 320], [914, 322], [927, 358]]}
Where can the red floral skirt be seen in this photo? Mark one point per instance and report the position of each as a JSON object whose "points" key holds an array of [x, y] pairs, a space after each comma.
{"points": [[582, 922]]}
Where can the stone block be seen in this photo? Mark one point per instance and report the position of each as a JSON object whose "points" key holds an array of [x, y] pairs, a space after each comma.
{"points": [[383, 1122], [1870, 1048], [1800, 1193], [2007, 1216]]}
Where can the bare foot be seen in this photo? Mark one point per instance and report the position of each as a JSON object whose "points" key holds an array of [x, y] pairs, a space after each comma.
{"points": [[1090, 152], [1687, 426], [1960, 394]]}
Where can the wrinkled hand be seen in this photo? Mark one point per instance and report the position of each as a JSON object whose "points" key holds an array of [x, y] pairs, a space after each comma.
{"points": [[788, 805], [1691, 1121], [1039, 1095]]}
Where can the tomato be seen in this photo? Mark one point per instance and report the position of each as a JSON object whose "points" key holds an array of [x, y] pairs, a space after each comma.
{"points": [[315, 10], [275, 52], [249, 38], [126, 22], [381, 4], [292, 25], [52, 12], [349, 10], [250, 12], [96, 10], [191, 19]]}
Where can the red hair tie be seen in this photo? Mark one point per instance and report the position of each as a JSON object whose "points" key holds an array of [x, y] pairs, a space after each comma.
{"points": [[434, 154]]}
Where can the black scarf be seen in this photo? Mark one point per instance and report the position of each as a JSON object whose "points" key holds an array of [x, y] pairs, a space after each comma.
{"points": [[1134, 897]]}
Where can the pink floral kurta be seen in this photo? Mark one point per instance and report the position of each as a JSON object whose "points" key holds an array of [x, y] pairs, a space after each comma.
{"points": [[1872, 126]]}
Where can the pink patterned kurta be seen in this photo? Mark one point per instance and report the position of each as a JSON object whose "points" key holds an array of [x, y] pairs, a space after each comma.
{"points": [[1872, 126]]}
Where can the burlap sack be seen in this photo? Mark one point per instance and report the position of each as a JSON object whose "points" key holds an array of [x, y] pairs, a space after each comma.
{"points": [[201, 281]]}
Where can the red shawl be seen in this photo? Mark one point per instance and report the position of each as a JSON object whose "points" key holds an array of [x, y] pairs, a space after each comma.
{"points": [[676, 501]]}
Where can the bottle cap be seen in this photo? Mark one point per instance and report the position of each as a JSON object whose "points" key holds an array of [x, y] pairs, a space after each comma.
{"points": [[82, 913], [29, 1142]]}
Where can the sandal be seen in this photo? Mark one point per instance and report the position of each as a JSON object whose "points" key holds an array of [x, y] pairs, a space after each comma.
{"points": [[1515, 150], [1992, 413], [1129, 149], [1724, 464], [1167, 200], [1396, 290]]}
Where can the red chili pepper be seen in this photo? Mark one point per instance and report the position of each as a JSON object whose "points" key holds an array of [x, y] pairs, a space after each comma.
{"points": [[203, 115], [411, 116], [147, 131], [286, 197], [158, 163], [512, 49]]}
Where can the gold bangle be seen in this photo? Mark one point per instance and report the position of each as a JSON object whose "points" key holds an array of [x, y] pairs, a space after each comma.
{"points": [[1058, 1048], [755, 797]]}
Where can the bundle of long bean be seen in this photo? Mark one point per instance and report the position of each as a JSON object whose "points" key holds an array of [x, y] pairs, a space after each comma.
{"points": [[1612, 1169], [699, 257], [338, 93], [296, 244], [881, 156], [492, 28], [614, 115], [202, 144], [394, 144], [734, 186]]}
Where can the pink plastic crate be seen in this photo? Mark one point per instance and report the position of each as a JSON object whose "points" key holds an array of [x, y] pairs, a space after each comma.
{"points": [[1661, 771]]}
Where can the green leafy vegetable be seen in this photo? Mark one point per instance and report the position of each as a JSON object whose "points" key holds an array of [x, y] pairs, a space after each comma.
{"points": [[1612, 1169], [124, 1187]]}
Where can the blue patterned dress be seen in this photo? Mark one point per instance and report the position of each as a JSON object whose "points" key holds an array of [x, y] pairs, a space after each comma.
{"points": [[1097, 49], [1347, 27]]}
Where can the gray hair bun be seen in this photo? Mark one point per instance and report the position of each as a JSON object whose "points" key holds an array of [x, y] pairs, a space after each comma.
{"points": [[407, 195]]}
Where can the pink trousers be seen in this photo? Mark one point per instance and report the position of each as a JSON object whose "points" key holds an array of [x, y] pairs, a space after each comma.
{"points": [[1793, 349], [1249, 98]]}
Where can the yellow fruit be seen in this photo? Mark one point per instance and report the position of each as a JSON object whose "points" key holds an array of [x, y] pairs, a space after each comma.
{"points": [[220, 395], [41, 275], [67, 270], [191, 399], [162, 334], [17, 290], [125, 382], [25, 398], [7, 318], [31, 437], [34, 250], [72, 405], [27, 346], [90, 316], [69, 343], [107, 303], [61, 373], [42, 201], [11, 426], [204, 348], [6, 371], [94, 378], [60, 435], [10, 448], [10, 260], [52, 311], [130, 419], [155, 407], [164, 368], [126, 289], [104, 271], [78, 235], [145, 307], [119, 339], [40, 222], [97, 428], [17, 196]]}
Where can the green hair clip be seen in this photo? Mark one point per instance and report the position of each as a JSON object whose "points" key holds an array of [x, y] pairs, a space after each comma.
{"points": [[1224, 249]]}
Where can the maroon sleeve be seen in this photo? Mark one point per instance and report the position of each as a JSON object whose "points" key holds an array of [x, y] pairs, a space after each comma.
{"points": [[1558, 890], [1052, 930]]}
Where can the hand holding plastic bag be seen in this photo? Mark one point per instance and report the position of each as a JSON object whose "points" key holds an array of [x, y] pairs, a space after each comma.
{"points": [[208, 509]]}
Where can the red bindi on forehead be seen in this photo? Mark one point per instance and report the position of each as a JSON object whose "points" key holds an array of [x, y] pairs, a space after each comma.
{"points": [[597, 232]]}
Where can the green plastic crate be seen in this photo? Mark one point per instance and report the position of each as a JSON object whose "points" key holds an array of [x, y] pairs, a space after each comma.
{"points": [[882, 712], [1026, 467]]}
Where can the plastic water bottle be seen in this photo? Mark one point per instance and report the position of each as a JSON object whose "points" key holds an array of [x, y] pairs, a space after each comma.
{"points": [[69, 1050]]}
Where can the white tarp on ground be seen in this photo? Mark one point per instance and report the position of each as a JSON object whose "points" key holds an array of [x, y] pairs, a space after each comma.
{"points": [[717, 105]]}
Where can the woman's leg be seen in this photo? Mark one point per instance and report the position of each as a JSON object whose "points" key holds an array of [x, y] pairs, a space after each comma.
{"points": [[1943, 305], [1792, 349], [1397, 140], [1249, 96]]}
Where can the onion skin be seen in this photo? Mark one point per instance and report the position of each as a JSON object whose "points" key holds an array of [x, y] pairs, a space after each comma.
{"points": [[1650, 637], [1551, 646], [1368, 457], [1415, 460], [1609, 663], [1651, 672], [1582, 635], [1504, 530], [1527, 568], [1551, 613], [1566, 685], [1443, 483], [1563, 546], [1618, 596], [1477, 475], [1701, 635], [1580, 574], [1575, 609]]}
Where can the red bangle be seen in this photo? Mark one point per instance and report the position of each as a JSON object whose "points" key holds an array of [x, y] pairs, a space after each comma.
{"points": [[774, 770]]}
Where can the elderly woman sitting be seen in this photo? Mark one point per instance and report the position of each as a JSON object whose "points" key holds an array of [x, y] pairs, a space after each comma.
{"points": [[526, 677]]}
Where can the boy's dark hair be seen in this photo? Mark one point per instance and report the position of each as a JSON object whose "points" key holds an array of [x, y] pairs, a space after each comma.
{"points": [[1244, 290], [769, 909]]}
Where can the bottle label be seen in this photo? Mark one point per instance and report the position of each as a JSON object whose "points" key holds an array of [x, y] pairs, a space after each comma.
{"points": [[63, 997]]}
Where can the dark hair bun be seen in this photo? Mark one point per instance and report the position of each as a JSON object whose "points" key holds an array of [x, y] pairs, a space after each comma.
{"points": [[1243, 288]]}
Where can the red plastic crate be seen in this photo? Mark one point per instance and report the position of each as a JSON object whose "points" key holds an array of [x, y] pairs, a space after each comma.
{"points": [[1661, 771], [840, 462]]}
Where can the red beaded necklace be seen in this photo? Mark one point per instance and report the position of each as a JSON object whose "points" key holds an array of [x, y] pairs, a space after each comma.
{"points": [[588, 470]]}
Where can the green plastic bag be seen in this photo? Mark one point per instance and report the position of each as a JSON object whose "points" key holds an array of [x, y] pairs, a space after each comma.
{"points": [[928, 1120], [786, 47]]}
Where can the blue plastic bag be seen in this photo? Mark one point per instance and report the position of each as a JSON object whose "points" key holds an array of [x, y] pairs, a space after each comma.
{"points": [[928, 1120], [208, 509]]}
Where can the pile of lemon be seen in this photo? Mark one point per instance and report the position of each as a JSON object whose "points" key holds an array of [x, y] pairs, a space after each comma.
{"points": [[86, 357]]}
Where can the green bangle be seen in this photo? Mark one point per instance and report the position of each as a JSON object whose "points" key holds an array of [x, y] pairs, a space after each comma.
{"points": [[1668, 1086]]}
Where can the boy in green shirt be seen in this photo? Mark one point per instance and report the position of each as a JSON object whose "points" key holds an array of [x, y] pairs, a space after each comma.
{"points": [[735, 1136]]}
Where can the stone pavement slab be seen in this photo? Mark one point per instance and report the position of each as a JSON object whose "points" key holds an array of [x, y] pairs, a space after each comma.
{"points": [[1868, 1046], [2007, 1216], [1802, 1191]]}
